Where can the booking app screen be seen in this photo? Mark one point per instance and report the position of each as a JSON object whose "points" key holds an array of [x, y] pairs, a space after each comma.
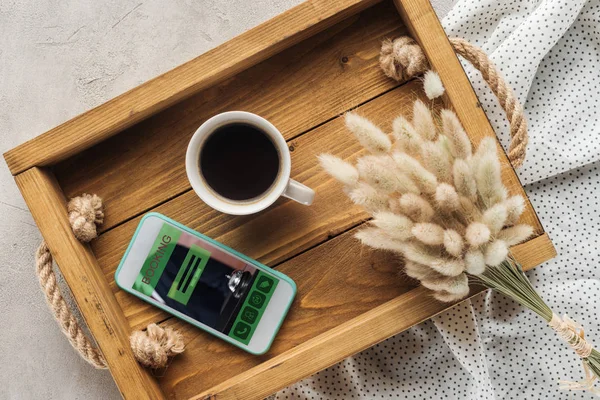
{"points": [[205, 283]]}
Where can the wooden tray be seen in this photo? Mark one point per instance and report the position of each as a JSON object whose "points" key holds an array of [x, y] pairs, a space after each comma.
{"points": [[301, 70]]}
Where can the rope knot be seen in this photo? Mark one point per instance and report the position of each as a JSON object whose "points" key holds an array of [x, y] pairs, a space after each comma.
{"points": [[85, 212], [153, 347], [402, 58]]}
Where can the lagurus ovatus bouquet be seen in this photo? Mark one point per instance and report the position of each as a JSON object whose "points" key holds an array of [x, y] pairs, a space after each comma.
{"points": [[442, 206]]}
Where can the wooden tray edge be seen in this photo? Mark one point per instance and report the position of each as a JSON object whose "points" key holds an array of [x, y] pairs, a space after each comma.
{"points": [[534, 252], [210, 68], [99, 308]]}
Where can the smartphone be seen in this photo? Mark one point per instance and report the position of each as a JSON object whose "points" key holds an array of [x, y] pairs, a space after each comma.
{"points": [[205, 283]]}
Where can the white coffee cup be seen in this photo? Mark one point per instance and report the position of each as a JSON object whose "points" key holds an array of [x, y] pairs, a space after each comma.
{"points": [[282, 185]]}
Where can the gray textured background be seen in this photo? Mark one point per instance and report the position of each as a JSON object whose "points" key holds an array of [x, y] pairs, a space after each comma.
{"points": [[57, 60]]}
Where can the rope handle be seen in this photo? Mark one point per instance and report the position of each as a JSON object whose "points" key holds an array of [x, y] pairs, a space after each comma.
{"points": [[63, 315], [402, 59], [152, 347]]}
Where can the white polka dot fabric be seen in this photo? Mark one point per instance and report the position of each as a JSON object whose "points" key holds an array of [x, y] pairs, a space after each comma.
{"points": [[490, 347]]}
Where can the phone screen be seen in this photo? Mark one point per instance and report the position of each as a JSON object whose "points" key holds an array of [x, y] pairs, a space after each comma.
{"points": [[205, 283]]}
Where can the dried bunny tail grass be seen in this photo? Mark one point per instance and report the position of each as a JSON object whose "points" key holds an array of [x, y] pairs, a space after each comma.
{"points": [[477, 234], [365, 195], [419, 271], [495, 217], [382, 173], [416, 208], [469, 210], [515, 205], [437, 160], [428, 233], [487, 173], [446, 297], [431, 257], [423, 121], [443, 142], [407, 138], [487, 148], [420, 254], [453, 242], [368, 134], [377, 239], [486, 165], [458, 285], [464, 181], [495, 253], [395, 225], [474, 262], [339, 169], [432, 84], [448, 267], [446, 198], [515, 234], [394, 205], [510, 280], [458, 141], [424, 179]]}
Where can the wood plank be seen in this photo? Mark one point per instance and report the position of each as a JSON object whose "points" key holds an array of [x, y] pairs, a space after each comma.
{"points": [[330, 347], [425, 28], [296, 90], [91, 292], [286, 228], [337, 281], [298, 227], [225, 61]]}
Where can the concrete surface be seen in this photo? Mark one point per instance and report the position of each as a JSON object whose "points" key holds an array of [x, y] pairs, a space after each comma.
{"points": [[57, 60]]}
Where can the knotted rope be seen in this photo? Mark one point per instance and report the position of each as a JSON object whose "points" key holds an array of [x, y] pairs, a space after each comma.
{"points": [[156, 345], [151, 348], [403, 58]]}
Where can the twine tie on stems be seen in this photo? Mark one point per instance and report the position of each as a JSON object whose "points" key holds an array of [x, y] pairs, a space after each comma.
{"points": [[152, 348], [574, 335]]}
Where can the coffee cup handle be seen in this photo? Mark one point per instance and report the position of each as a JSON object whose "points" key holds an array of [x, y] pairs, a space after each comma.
{"points": [[299, 192]]}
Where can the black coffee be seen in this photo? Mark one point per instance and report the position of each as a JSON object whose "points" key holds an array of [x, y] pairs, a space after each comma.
{"points": [[239, 161]]}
